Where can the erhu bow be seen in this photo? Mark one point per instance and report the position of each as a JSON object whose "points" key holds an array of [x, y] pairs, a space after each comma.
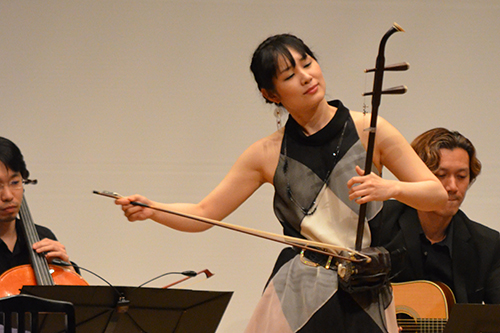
{"points": [[292, 241], [376, 94]]}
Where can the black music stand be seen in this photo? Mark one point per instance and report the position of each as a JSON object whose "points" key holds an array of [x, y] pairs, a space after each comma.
{"points": [[136, 310], [474, 318]]}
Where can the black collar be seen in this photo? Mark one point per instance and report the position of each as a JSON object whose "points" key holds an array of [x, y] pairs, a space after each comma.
{"points": [[294, 130]]}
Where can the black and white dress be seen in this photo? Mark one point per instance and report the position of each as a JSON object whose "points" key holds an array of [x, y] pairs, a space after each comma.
{"points": [[312, 202]]}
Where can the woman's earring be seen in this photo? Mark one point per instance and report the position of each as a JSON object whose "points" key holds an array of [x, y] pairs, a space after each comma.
{"points": [[279, 113]]}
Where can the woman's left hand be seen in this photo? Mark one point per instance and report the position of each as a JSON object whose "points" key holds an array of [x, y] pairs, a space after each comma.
{"points": [[371, 187]]}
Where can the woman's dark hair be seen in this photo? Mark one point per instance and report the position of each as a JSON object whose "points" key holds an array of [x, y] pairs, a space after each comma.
{"points": [[265, 60], [11, 157], [428, 144]]}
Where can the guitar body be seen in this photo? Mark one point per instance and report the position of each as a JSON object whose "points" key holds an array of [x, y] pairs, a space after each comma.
{"points": [[422, 306]]}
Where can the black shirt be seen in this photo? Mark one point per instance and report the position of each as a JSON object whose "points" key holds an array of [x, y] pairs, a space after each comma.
{"points": [[20, 255], [476, 251], [437, 258]]}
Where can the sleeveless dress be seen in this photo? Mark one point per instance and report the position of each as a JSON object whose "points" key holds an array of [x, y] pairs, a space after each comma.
{"points": [[312, 202]]}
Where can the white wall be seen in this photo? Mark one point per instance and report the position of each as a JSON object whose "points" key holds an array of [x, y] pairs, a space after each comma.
{"points": [[155, 97]]}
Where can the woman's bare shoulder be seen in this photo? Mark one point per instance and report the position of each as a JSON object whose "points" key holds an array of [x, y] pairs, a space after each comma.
{"points": [[360, 117], [264, 154], [270, 142], [362, 122]]}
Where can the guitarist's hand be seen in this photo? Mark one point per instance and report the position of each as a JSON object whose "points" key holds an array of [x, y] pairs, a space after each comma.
{"points": [[52, 249]]}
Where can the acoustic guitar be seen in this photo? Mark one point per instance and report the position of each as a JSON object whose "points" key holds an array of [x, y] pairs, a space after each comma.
{"points": [[422, 306]]}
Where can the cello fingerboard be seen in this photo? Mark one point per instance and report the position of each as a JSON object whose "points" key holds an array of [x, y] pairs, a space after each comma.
{"points": [[38, 261]]}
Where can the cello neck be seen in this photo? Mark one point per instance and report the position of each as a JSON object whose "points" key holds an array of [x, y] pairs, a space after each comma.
{"points": [[38, 261]]}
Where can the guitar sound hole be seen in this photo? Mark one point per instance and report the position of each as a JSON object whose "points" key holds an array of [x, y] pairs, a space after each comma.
{"points": [[407, 323]]}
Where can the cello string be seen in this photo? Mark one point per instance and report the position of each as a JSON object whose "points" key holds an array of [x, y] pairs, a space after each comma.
{"points": [[39, 263]]}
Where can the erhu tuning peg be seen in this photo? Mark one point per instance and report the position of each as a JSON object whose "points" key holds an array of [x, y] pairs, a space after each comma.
{"points": [[402, 66], [399, 90]]}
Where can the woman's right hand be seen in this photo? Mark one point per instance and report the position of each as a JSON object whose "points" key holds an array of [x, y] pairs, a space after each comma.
{"points": [[135, 212]]}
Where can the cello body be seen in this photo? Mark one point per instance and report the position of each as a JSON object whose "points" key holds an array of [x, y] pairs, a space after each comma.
{"points": [[12, 280]]}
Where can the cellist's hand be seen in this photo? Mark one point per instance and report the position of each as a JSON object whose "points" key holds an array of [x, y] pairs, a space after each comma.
{"points": [[52, 249]]}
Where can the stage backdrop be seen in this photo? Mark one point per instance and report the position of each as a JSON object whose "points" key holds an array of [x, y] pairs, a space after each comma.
{"points": [[156, 98]]}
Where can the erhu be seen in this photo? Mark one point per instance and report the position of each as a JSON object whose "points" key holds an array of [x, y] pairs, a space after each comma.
{"points": [[374, 272], [376, 94]]}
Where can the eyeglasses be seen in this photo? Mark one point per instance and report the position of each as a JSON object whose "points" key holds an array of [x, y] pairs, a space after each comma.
{"points": [[13, 185]]}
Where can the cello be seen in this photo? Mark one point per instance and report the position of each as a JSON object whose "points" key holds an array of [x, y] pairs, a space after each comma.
{"points": [[39, 272]]}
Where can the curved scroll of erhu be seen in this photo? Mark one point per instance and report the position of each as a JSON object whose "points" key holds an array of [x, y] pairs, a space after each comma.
{"points": [[376, 97]]}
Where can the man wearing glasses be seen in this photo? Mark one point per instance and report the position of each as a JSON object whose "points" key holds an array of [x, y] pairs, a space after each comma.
{"points": [[14, 250]]}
